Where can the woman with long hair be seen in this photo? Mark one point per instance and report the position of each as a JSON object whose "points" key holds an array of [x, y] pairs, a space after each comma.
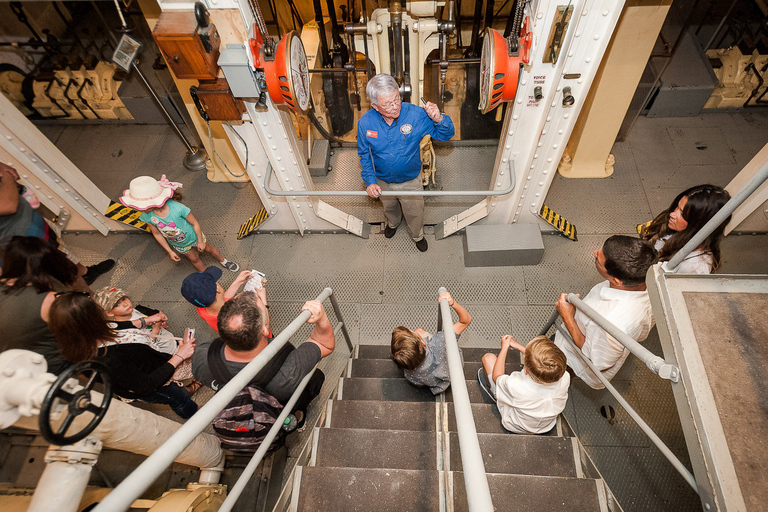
{"points": [[675, 226], [32, 272]]}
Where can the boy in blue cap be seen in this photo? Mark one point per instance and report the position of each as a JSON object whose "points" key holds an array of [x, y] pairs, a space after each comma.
{"points": [[202, 290]]}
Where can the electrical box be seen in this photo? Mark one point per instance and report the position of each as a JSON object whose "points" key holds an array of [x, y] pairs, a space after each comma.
{"points": [[191, 51], [234, 62], [218, 102]]}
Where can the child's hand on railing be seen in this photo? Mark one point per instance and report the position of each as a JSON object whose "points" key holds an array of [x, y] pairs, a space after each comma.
{"points": [[448, 297]]}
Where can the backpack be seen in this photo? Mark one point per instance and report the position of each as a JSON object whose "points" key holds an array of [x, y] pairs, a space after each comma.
{"points": [[244, 423]]}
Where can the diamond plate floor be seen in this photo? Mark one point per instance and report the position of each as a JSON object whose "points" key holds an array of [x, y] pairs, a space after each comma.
{"points": [[383, 283]]}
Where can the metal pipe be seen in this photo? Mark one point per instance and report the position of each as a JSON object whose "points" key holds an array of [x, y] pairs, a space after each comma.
{"points": [[136, 483], [396, 19], [324, 53], [633, 414], [655, 363], [722, 22], [720, 217], [400, 193], [475, 479], [250, 469]]}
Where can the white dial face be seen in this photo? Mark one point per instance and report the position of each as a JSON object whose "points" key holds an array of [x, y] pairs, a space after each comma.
{"points": [[486, 69], [297, 60]]}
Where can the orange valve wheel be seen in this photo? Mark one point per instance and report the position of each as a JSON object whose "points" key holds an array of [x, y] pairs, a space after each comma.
{"points": [[499, 72], [287, 75]]}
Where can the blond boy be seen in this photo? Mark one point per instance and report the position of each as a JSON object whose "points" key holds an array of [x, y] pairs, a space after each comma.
{"points": [[529, 401]]}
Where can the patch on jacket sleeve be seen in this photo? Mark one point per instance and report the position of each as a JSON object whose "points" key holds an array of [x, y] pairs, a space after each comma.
{"points": [[371, 133]]}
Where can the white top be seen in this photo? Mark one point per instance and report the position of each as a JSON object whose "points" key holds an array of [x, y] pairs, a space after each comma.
{"points": [[528, 407], [697, 262], [630, 311]]}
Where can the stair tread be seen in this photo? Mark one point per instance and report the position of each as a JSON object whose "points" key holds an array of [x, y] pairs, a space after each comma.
{"points": [[375, 414], [385, 490], [382, 352], [365, 448], [515, 454], [386, 368], [357, 388], [523, 493], [370, 490]]}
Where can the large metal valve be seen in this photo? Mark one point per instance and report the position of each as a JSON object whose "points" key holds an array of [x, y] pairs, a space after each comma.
{"points": [[78, 402]]}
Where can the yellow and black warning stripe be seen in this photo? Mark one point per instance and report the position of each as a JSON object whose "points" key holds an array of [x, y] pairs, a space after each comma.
{"points": [[251, 224], [126, 215], [642, 227], [558, 222]]}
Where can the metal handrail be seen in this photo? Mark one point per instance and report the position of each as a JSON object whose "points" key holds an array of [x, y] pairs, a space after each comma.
{"points": [[475, 479], [142, 477], [633, 414], [400, 193], [727, 209], [655, 363]]}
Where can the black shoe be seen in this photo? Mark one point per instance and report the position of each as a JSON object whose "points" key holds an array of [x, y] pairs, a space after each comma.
{"points": [[481, 379], [422, 245], [389, 232], [94, 271]]}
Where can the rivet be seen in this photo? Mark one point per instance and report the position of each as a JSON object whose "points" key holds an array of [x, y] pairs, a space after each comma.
{"points": [[279, 158], [274, 148], [544, 172], [507, 146], [605, 12], [596, 37], [554, 146], [577, 34], [523, 82], [258, 175], [519, 100], [503, 160], [588, 60], [515, 118], [537, 194], [269, 136], [511, 132], [549, 160], [539, 15], [566, 116], [541, 183], [560, 132]]}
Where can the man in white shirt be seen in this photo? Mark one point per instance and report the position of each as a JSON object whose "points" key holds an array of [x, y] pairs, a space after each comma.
{"points": [[622, 299]]}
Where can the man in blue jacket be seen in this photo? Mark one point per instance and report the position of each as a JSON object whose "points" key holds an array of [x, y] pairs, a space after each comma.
{"points": [[388, 138]]}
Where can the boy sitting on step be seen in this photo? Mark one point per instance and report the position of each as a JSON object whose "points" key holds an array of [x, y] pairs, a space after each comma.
{"points": [[423, 356], [530, 400]]}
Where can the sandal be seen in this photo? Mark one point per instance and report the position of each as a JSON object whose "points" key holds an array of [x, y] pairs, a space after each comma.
{"points": [[230, 265], [193, 386]]}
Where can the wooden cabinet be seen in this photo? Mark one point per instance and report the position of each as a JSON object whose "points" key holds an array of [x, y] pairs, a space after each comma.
{"points": [[177, 36], [217, 100]]}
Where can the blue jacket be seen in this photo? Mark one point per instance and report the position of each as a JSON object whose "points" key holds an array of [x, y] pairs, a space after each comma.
{"points": [[391, 152]]}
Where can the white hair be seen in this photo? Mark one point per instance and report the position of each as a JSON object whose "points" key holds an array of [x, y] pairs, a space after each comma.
{"points": [[381, 83]]}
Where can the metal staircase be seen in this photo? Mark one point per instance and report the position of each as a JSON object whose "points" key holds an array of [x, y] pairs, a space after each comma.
{"points": [[386, 445]]}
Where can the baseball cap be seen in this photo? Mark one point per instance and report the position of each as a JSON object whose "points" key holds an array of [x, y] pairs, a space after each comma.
{"points": [[108, 296], [199, 288]]}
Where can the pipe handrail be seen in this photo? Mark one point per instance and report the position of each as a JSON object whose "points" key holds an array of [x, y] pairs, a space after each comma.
{"points": [[655, 363], [475, 479], [727, 209], [121, 498], [400, 193], [633, 414]]}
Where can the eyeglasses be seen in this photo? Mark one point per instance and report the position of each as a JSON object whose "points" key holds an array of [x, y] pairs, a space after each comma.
{"points": [[391, 104]]}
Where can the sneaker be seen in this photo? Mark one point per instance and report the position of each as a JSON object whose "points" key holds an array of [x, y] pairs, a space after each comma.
{"points": [[422, 245], [230, 265], [482, 380], [389, 232], [94, 271]]}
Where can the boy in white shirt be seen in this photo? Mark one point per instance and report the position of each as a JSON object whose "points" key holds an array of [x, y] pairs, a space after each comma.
{"points": [[529, 401]]}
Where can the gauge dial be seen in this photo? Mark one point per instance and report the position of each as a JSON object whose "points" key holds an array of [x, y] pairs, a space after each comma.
{"points": [[299, 72], [486, 69]]}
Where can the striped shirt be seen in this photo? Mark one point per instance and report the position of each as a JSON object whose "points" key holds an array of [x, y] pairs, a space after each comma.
{"points": [[630, 311]]}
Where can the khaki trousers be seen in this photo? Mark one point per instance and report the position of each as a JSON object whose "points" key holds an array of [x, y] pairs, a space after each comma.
{"points": [[410, 207]]}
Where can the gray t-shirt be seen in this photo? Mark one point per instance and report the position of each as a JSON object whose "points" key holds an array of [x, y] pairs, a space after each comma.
{"points": [[433, 371], [280, 376]]}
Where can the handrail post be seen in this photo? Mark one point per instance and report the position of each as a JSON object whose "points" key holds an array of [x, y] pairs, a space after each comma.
{"points": [[142, 477], [337, 312], [655, 363], [633, 414], [550, 323], [727, 209], [475, 479]]}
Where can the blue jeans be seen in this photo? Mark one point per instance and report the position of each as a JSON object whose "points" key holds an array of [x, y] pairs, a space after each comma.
{"points": [[177, 397]]}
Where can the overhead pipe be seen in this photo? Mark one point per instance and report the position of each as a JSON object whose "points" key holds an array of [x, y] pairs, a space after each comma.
{"points": [[396, 19]]}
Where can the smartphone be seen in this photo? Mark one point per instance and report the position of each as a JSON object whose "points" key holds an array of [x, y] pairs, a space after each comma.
{"points": [[189, 333], [423, 101]]}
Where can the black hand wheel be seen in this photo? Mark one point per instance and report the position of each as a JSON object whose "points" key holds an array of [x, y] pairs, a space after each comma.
{"points": [[78, 402]]}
